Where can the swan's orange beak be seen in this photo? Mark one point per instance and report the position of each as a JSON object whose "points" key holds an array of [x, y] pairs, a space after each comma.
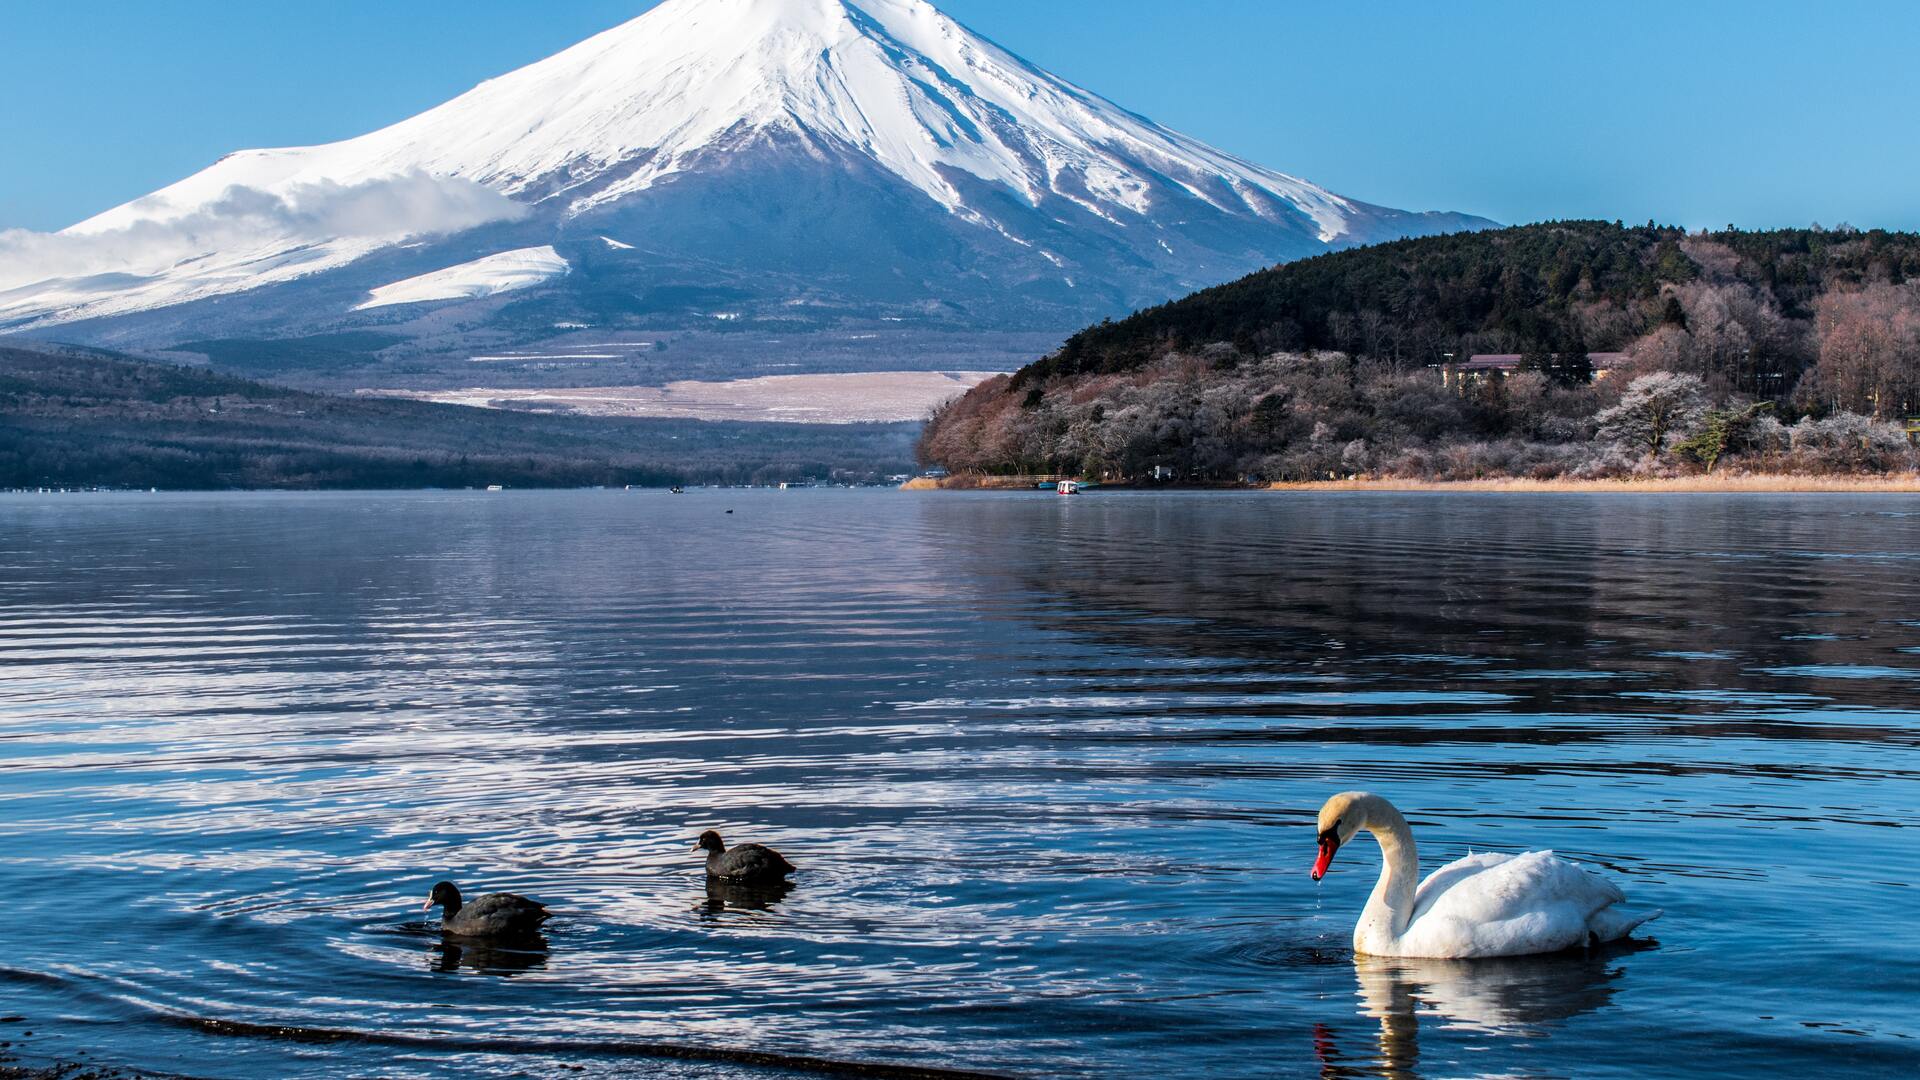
{"points": [[1329, 843]]}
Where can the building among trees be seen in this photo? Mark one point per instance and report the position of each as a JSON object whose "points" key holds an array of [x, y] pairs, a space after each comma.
{"points": [[1480, 367]]}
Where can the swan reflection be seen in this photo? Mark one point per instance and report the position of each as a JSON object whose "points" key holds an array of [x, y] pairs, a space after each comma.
{"points": [[498, 958], [1514, 995], [724, 896]]}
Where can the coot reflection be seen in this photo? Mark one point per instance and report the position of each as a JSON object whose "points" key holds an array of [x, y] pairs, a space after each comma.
{"points": [[724, 896], [451, 954]]}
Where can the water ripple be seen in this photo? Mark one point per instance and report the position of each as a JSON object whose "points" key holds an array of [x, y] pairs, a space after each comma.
{"points": [[1049, 769]]}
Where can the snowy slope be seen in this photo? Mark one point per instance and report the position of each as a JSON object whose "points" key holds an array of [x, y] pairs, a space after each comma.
{"points": [[697, 88], [895, 78], [506, 272]]}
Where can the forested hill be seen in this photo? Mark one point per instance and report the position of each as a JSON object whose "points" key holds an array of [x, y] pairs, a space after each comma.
{"points": [[1548, 288], [1346, 364], [74, 419]]}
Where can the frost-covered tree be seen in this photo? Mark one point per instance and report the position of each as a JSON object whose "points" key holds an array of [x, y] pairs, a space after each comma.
{"points": [[1654, 409], [1355, 457], [1849, 442]]}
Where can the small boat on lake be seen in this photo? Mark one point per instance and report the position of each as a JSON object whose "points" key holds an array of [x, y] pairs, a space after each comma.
{"points": [[1068, 487]]}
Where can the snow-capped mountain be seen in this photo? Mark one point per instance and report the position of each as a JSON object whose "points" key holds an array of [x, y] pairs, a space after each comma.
{"points": [[786, 160]]}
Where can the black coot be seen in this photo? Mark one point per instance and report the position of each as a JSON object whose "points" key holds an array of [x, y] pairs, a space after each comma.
{"points": [[495, 915], [746, 864]]}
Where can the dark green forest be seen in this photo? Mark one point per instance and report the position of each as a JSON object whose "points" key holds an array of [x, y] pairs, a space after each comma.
{"points": [[83, 419], [1572, 286], [1799, 347]]}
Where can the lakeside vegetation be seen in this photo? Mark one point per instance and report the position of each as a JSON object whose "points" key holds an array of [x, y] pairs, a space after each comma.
{"points": [[83, 419], [1717, 483], [1790, 351]]}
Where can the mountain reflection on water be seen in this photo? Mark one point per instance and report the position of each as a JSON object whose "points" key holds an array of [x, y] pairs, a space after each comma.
{"points": [[1048, 766]]}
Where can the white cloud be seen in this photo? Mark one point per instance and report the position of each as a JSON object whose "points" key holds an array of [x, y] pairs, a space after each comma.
{"points": [[250, 219]]}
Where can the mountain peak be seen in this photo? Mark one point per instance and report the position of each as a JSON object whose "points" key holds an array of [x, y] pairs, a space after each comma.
{"points": [[894, 80], [693, 89], [747, 16]]}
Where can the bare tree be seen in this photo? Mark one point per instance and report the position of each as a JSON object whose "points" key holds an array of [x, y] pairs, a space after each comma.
{"points": [[1667, 348], [1870, 350]]}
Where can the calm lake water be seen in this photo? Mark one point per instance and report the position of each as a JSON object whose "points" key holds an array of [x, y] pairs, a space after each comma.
{"points": [[1050, 767]]}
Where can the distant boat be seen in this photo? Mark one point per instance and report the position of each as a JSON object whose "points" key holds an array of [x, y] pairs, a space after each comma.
{"points": [[1068, 487], [496, 487], [676, 490]]}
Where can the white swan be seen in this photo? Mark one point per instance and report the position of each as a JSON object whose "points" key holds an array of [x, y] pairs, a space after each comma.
{"points": [[1482, 905]]}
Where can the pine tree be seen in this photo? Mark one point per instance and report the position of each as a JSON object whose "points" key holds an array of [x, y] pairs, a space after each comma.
{"points": [[1675, 314]]}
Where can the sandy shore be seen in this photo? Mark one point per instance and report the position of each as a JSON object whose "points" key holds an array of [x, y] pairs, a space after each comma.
{"points": [[975, 483], [1899, 483]]}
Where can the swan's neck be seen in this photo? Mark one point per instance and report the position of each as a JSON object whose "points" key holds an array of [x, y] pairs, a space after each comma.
{"points": [[1390, 909]]}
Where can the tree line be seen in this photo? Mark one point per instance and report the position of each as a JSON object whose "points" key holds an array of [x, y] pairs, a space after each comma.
{"points": [[1776, 340], [81, 419]]}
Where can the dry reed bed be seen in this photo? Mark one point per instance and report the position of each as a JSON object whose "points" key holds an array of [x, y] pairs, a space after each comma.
{"points": [[1716, 483], [1722, 483]]}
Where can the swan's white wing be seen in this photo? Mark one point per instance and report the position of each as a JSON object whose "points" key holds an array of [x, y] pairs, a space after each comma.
{"points": [[1441, 881], [1507, 905]]}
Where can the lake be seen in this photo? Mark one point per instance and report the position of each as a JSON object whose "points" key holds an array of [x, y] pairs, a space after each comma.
{"points": [[1050, 768]]}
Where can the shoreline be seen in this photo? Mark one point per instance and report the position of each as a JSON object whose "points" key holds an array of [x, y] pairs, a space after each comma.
{"points": [[1731, 484], [972, 483], [1764, 483]]}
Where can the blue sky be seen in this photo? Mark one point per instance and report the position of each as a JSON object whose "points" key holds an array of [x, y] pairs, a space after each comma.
{"points": [[1758, 113]]}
